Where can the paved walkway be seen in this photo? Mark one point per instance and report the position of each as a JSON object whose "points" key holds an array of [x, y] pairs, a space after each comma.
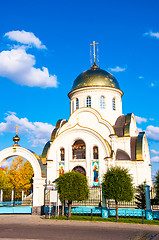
{"points": [[37, 220], [16, 227]]}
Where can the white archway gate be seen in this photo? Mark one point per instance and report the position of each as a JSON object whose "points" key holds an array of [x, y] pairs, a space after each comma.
{"points": [[38, 181]]}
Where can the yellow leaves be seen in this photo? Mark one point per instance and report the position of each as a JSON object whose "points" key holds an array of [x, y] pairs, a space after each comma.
{"points": [[4, 181], [18, 175]]}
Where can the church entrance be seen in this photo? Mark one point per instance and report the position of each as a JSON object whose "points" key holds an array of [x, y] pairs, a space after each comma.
{"points": [[80, 170]]}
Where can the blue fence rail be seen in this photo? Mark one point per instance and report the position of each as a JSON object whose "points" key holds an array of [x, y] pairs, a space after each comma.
{"points": [[104, 212], [112, 212], [10, 203], [15, 210]]}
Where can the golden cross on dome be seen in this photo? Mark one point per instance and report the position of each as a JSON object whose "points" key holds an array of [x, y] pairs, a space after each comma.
{"points": [[94, 49], [16, 129]]}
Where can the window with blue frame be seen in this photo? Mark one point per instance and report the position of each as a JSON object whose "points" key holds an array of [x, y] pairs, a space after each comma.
{"points": [[88, 101], [77, 103], [102, 102], [113, 104]]}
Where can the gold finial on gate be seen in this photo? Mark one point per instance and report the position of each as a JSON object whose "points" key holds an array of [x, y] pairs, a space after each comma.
{"points": [[16, 129], [16, 139]]}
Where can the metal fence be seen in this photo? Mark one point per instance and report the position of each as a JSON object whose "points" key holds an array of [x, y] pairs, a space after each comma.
{"points": [[23, 197], [154, 200], [95, 198], [16, 197], [121, 204]]}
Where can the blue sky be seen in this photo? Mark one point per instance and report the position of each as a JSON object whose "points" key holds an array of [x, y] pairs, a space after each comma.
{"points": [[44, 46]]}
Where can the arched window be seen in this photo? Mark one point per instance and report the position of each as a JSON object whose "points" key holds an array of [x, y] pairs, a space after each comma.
{"points": [[62, 153], [113, 104], [79, 150], [95, 152], [80, 170], [88, 101], [102, 102], [77, 103]]}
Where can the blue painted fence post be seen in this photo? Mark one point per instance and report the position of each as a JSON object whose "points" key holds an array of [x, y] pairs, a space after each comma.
{"points": [[149, 214], [104, 208]]}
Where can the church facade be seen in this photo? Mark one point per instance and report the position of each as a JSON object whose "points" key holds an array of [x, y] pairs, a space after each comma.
{"points": [[97, 135]]}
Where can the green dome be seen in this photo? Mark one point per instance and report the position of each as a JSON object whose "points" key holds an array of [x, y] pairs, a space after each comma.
{"points": [[95, 77]]}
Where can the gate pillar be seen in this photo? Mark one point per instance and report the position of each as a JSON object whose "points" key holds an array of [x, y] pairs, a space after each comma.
{"points": [[38, 191]]}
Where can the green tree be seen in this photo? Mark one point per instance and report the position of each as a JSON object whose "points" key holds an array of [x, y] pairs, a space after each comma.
{"points": [[140, 196], [72, 186], [157, 187], [117, 185]]}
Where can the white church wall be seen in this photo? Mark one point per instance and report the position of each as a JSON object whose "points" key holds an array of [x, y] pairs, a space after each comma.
{"points": [[95, 93], [123, 143], [139, 170], [66, 140], [95, 122]]}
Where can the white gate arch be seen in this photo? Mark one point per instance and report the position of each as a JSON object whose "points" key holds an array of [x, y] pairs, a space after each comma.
{"points": [[38, 181]]}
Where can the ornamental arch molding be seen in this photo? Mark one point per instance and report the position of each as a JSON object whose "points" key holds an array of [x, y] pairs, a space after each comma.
{"points": [[22, 152], [77, 129], [38, 181]]}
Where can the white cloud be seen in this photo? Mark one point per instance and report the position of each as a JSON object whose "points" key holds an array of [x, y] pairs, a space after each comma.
{"points": [[152, 34], [18, 66], [24, 37], [141, 77], [152, 84], [117, 69], [152, 132], [139, 120], [38, 133], [151, 119], [155, 159], [6, 164], [154, 152]]}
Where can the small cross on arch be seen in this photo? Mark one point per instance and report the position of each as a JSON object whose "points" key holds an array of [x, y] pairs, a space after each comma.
{"points": [[16, 129]]}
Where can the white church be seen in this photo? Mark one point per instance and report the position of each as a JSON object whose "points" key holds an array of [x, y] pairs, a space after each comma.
{"points": [[97, 134]]}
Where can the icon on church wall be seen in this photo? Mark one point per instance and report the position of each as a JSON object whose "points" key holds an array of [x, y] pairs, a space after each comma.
{"points": [[61, 169], [95, 167]]}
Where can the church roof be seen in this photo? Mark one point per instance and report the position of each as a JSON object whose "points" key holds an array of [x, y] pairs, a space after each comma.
{"points": [[95, 77]]}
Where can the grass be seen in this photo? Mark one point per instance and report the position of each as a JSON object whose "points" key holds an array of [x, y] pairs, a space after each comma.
{"points": [[110, 219]]}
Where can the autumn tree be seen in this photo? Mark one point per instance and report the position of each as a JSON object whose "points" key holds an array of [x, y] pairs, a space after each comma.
{"points": [[19, 176], [5, 185], [72, 186], [117, 185], [4, 180]]}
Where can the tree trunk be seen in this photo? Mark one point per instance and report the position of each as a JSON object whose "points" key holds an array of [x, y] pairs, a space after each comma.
{"points": [[116, 203], [63, 208], [69, 209]]}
